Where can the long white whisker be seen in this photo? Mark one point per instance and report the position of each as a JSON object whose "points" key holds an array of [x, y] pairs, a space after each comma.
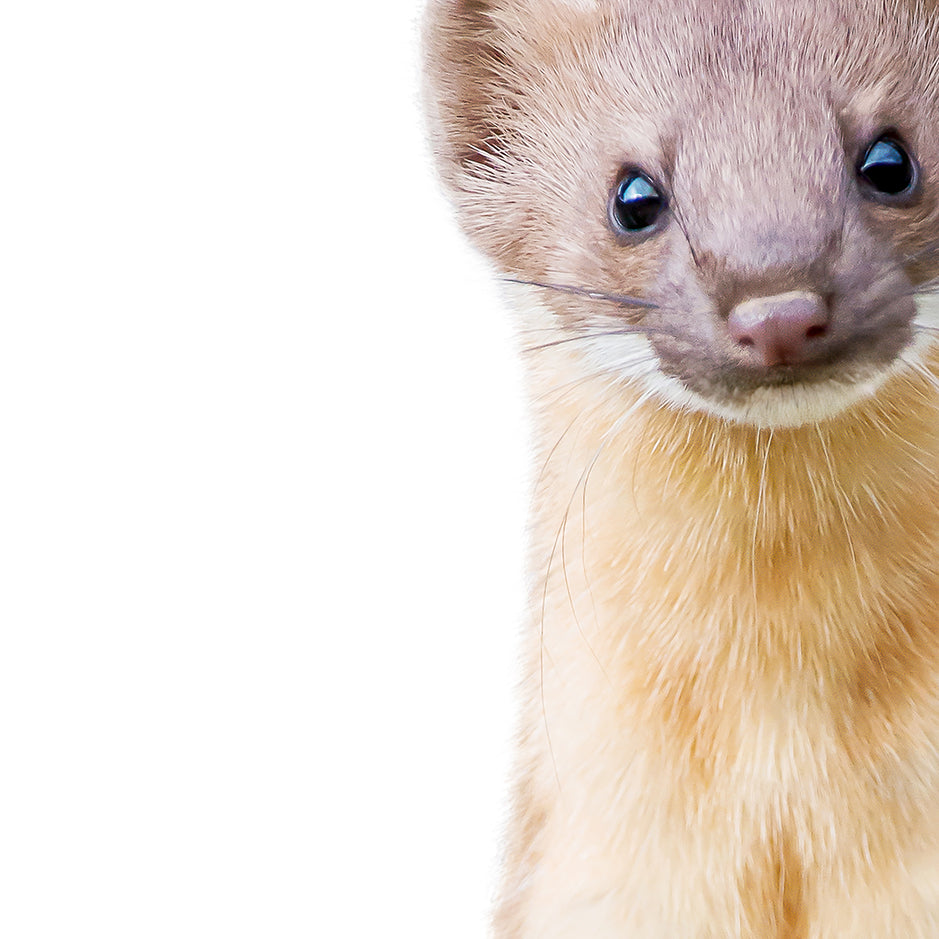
{"points": [[559, 539], [840, 500], [760, 507]]}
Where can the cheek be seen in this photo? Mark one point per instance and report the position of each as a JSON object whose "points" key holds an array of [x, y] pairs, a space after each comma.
{"points": [[623, 266], [917, 241], [636, 275]]}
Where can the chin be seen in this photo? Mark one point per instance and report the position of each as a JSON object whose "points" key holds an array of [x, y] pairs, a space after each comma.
{"points": [[773, 407]]}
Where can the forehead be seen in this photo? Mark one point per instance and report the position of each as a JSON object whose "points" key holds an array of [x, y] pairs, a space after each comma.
{"points": [[669, 60], [672, 83]]}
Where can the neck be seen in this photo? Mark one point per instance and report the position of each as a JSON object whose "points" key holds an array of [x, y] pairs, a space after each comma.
{"points": [[684, 548]]}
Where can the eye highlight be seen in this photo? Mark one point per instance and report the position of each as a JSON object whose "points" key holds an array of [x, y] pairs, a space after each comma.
{"points": [[886, 168], [636, 203]]}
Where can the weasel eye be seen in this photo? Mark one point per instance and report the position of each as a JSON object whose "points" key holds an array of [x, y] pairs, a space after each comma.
{"points": [[636, 203], [886, 167]]}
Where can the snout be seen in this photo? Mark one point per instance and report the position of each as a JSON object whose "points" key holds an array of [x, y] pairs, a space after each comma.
{"points": [[784, 329]]}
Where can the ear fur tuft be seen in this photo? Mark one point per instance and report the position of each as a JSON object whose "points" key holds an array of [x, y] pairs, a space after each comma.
{"points": [[465, 86]]}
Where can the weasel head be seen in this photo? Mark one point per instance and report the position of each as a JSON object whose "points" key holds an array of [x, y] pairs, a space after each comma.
{"points": [[731, 204]]}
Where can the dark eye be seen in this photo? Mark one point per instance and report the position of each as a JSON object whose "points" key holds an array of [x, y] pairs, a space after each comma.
{"points": [[887, 168], [636, 203]]}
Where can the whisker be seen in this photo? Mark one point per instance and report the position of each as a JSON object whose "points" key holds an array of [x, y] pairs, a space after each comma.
{"points": [[760, 512], [601, 334], [920, 369], [544, 715], [622, 374], [621, 299], [929, 248], [883, 423], [684, 230], [567, 585], [557, 443], [559, 538], [583, 564], [841, 501], [559, 390]]}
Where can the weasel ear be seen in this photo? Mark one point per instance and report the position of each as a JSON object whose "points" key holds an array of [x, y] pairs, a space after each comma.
{"points": [[467, 86]]}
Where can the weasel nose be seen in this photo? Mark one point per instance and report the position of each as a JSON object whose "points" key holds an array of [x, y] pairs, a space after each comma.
{"points": [[779, 330]]}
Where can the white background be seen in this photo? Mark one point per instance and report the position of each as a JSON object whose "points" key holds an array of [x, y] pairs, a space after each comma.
{"points": [[261, 483]]}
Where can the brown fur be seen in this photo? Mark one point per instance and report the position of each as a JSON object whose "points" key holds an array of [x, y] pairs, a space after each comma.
{"points": [[731, 697]]}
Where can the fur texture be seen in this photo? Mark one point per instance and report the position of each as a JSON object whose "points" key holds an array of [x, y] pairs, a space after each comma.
{"points": [[731, 698]]}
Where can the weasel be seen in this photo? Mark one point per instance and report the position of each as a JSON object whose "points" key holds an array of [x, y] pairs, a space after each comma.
{"points": [[718, 224]]}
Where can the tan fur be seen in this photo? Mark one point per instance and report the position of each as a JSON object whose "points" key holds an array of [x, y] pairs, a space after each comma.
{"points": [[731, 696], [740, 736]]}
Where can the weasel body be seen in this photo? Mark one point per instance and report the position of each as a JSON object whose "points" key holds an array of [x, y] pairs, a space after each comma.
{"points": [[725, 220]]}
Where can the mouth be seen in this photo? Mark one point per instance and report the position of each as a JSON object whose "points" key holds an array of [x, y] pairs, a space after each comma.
{"points": [[842, 371], [786, 396]]}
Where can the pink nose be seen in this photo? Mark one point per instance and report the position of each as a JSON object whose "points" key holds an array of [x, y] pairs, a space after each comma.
{"points": [[779, 330]]}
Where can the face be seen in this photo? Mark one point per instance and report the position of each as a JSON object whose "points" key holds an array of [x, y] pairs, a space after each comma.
{"points": [[732, 205]]}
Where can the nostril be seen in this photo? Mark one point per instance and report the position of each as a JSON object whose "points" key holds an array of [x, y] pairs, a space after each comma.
{"points": [[816, 332]]}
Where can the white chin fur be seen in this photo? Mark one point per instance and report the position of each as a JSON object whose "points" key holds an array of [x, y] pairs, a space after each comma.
{"points": [[631, 358], [783, 406]]}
